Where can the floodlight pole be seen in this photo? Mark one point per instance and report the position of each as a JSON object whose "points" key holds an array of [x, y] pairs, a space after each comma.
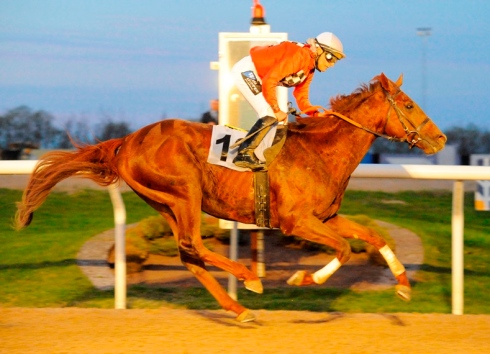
{"points": [[424, 32]]}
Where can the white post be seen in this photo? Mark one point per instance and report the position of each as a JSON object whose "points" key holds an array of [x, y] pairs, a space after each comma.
{"points": [[119, 248], [457, 223], [232, 281], [260, 254]]}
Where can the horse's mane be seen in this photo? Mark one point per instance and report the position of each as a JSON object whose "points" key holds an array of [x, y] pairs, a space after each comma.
{"points": [[344, 103]]}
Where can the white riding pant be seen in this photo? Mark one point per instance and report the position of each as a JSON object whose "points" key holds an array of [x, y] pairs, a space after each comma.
{"points": [[256, 99]]}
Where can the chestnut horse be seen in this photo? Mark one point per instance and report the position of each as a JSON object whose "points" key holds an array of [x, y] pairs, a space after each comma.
{"points": [[165, 164]]}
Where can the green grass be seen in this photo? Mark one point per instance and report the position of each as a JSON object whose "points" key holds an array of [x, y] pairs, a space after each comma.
{"points": [[38, 264], [38, 267]]}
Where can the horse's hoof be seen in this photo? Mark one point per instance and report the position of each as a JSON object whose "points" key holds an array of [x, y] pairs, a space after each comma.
{"points": [[254, 285], [245, 316], [404, 292], [297, 278]]}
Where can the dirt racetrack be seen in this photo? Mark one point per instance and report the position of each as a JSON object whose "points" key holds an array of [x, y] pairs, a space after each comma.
{"points": [[75, 330]]}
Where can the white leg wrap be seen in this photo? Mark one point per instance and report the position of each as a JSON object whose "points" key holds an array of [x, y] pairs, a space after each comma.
{"points": [[321, 276], [396, 267]]}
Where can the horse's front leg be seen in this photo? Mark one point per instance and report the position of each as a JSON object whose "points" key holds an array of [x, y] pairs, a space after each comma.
{"points": [[312, 229], [350, 229]]}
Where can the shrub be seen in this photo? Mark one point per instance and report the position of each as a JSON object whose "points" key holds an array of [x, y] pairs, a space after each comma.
{"points": [[155, 227], [153, 235]]}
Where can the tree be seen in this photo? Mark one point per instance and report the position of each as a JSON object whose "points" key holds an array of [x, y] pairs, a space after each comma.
{"points": [[112, 130], [23, 126], [470, 140], [75, 131]]}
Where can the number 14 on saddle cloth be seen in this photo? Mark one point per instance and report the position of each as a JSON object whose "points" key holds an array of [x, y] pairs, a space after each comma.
{"points": [[223, 137]]}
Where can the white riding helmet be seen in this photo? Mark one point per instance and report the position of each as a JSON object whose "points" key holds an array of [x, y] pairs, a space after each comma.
{"points": [[330, 43]]}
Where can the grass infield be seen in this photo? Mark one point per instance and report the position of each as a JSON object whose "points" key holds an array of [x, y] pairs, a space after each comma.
{"points": [[38, 266]]}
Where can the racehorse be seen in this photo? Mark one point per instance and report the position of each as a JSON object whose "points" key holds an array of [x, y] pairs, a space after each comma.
{"points": [[165, 163]]}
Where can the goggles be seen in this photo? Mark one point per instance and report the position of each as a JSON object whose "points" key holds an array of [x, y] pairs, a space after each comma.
{"points": [[328, 52], [330, 57]]}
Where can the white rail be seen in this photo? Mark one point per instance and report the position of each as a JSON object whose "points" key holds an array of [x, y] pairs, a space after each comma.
{"points": [[26, 167], [456, 173]]}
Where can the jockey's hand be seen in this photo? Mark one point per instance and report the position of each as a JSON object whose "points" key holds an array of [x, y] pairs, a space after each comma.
{"points": [[325, 113], [281, 116]]}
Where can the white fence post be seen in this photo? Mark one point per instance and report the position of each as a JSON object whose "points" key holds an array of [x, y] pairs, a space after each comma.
{"points": [[457, 242], [232, 281], [120, 287]]}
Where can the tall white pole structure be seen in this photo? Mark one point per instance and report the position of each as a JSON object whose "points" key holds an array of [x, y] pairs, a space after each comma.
{"points": [[235, 110], [424, 32]]}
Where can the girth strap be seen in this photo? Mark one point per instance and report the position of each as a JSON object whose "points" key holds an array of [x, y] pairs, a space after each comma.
{"points": [[262, 199]]}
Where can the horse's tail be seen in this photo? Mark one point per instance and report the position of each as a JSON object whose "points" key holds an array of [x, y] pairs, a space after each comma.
{"points": [[95, 162]]}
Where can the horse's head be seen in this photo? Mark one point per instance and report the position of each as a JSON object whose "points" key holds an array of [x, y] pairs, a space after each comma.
{"points": [[406, 121]]}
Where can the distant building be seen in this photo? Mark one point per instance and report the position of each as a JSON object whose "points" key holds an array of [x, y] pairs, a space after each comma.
{"points": [[482, 193]]}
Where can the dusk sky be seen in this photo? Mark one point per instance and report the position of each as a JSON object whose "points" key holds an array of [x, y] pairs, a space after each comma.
{"points": [[137, 61]]}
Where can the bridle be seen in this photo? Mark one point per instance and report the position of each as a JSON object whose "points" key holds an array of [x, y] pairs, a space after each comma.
{"points": [[412, 136]]}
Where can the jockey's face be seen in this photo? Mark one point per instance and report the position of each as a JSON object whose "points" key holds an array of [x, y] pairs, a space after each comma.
{"points": [[325, 59]]}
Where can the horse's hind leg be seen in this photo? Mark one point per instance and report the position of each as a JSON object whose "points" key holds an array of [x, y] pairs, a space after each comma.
{"points": [[350, 229], [250, 280], [194, 246], [197, 267], [193, 253], [191, 258]]}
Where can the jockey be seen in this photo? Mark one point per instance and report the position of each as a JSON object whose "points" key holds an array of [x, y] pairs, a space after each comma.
{"points": [[287, 64]]}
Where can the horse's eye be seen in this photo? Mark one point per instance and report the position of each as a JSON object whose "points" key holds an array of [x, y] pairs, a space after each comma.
{"points": [[409, 106]]}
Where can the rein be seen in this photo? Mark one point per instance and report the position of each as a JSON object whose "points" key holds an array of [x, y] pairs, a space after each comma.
{"points": [[411, 142], [354, 123]]}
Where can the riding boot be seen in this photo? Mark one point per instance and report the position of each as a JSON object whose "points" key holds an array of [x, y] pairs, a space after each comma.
{"points": [[246, 157]]}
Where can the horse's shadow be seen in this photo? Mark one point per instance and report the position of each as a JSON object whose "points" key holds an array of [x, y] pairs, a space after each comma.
{"points": [[227, 320]]}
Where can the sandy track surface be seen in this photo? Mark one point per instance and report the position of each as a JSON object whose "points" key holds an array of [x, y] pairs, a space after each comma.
{"points": [[74, 330]]}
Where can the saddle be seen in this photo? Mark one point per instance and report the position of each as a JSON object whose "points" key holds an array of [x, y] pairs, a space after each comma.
{"points": [[221, 154]]}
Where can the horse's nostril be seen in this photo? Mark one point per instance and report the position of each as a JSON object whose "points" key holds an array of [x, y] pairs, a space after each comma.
{"points": [[442, 138]]}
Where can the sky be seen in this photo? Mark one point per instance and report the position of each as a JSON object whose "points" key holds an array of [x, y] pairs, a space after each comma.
{"points": [[141, 61]]}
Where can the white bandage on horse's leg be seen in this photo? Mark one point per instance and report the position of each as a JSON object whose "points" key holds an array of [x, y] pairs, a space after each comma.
{"points": [[396, 267], [321, 276]]}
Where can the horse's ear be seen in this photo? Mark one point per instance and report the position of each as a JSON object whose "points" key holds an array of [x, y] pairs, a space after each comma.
{"points": [[399, 82], [385, 82]]}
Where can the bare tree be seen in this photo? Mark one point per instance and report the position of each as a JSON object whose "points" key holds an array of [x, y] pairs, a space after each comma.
{"points": [[23, 126], [112, 130]]}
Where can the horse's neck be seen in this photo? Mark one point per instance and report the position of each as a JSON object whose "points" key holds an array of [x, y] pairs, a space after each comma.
{"points": [[335, 149], [369, 115], [354, 143]]}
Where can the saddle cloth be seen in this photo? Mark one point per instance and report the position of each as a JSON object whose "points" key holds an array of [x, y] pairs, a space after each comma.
{"points": [[223, 137]]}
